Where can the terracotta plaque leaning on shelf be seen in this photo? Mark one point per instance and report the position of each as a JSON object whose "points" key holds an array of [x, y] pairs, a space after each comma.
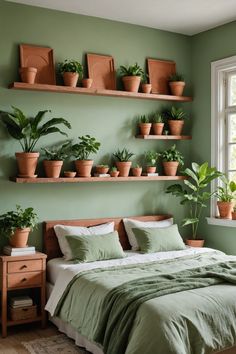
{"points": [[101, 69], [159, 72], [40, 58]]}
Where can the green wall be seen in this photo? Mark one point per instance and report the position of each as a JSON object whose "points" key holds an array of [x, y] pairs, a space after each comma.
{"points": [[209, 46], [111, 120]]}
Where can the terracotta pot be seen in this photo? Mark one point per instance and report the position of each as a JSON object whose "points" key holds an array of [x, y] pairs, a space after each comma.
{"points": [[114, 173], [225, 209], [177, 88], [176, 126], [20, 238], [131, 83], [84, 167], [170, 167], [157, 128], [28, 74], [195, 243], [87, 83], [52, 168], [101, 169], [151, 169], [27, 163], [146, 88], [137, 171], [69, 174], [145, 128], [70, 79], [233, 214], [124, 168]]}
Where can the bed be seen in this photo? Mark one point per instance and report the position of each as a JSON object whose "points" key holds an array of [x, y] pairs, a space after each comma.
{"points": [[103, 277]]}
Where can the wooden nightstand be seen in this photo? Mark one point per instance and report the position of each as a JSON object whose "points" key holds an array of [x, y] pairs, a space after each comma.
{"points": [[23, 272]]}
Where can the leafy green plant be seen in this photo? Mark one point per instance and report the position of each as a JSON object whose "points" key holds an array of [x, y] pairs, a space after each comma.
{"points": [[88, 145], [151, 158], [123, 155], [158, 118], [176, 77], [17, 219], [132, 70], [195, 195], [226, 193], [145, 78], [143, 119], [113, 169], [172, 155], [176, 113], [72, 66], [27, 130], [58, 153]]}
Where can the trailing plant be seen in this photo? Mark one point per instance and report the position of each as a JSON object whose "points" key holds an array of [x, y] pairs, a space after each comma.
{"points": [[27, 129], [132, 70], [158, 118], [151, 158], [88, 145], [176, 113], [72, 66], [176, 77], [172, 155], [58, 153], [226, 193], [123, 155], [194, 193], [17, 219], [143, 119]]}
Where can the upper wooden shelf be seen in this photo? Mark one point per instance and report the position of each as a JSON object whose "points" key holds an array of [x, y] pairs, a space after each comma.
{"points": [[164, 137], [96, 179], [95, 92]]}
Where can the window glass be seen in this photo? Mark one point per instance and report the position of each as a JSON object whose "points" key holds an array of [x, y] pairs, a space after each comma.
{"points": [[232, 128], [232, 90]]}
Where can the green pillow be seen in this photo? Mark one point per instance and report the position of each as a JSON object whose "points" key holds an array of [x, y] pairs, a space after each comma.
{"points": [[89, 248], [159, 239]]}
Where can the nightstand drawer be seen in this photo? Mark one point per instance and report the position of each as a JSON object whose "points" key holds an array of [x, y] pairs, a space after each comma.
{"points": [[24, 280], [24, 266]]}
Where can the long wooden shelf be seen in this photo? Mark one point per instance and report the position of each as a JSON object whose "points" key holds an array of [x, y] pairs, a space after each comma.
{"points": [[96, 179], [164, 137], [96, 92]]}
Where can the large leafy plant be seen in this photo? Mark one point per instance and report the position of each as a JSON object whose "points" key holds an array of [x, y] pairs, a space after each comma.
{"points": [[226, 192], [171, 155], [194, 193], [132, 70], [27, 130], [58, 153], [88, 145], [72, 66], [123, 155], [17, 219]]}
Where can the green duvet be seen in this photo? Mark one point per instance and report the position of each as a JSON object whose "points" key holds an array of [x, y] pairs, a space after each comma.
{"points": [[181, 306]]}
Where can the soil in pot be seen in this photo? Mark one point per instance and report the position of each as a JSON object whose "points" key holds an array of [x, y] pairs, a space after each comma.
{"points": [[136, 171], [170, 167], [124, 168], [195, 243], [87, 83], [146, 88], [177, 88], [20, 238], [84, 167], [131, 83], [27, 163], [151, 169], [225, 209], [145, 128], [28, 74], [70, 79], [176, 126], [52, 168], [157, 128]]}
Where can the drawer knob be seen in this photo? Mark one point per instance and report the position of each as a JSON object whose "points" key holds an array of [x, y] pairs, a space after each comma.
{"points": [[24, 279], [23, 267]]}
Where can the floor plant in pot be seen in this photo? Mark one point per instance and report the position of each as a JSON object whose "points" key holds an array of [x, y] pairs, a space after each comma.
{"points": [[171, 160], [226, 194], [17, 224], [144, 125], [151, 158], [158, 123], [71, 70], [194, 194], [54, 158], [28, 131], [123, 162], [131, 77], [88, 145], [175, 118], [177, 84]]}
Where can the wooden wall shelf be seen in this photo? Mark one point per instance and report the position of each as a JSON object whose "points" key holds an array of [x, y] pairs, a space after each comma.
{"points": [[95, 92], [96, 179], [164, 137]]}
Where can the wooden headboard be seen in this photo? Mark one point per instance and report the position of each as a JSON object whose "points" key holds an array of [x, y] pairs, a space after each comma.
{"points": [[51, 246]]}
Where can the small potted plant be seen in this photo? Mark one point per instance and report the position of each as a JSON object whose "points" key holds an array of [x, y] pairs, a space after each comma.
{"points": [[88, 145], [28, 131], [17, 224], [137, 170], [175, 118], [114, 172], [151, 158], [171, 159], [54, 158], [146, 87], [144, 125], [234, 213], [28, 74], [123, 162], [71, 70], [177, 84], [102, 169], [226, 195], [69, 174], [131, 77], [158, 123]]}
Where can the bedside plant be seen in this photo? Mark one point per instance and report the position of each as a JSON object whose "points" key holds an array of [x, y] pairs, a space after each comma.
{"points": [[158, 123], [171, 159], [144, 125], [71, 71], [131, 77], [177, 84], [226, 195], [16, 225], [175, 118], [123, 162], [151, 158], [54, 158]]}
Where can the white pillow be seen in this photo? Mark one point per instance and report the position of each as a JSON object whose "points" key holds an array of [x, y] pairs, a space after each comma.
{"points": [[63, 230], [130, 224]]}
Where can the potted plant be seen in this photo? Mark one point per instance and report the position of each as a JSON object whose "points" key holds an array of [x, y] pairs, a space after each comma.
{"points": [[54, 158], [16, 225], [28, 131], [158, 123], [88, 145], [123, 164], [234, 213], [146, 87], [177, 84], [171, 159], [175, 118], [144, 125], [71, 70], [131, 77], [137, 170], [28, 74], [102, 169], [114, 172], [151, 158], [69, 174], [195, 195], [225, 195], [87, 82]]}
